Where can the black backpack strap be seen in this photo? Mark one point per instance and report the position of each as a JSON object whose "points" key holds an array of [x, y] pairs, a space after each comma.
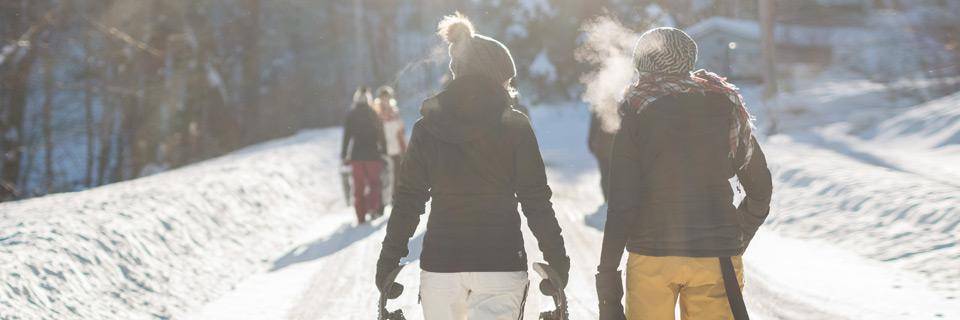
{"points": [[732, 286]]}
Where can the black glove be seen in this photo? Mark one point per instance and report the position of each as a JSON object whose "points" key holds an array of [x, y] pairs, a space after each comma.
{"points": [[385, 265], [610, 292], [563, 269]]}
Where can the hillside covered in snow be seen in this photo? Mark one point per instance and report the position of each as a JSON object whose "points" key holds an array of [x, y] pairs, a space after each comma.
{"points": [[157, 246]]}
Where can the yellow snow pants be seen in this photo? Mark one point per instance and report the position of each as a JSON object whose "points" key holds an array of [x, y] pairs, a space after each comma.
{"points": [[655, 283]]}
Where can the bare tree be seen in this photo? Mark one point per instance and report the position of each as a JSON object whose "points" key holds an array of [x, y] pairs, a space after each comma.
{"points": [[49, 82], [23, 21], [89, 128], [768, 50], [251, 69]]}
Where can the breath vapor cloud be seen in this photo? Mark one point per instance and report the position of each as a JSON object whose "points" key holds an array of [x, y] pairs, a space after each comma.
{"points": [[608, 49]]}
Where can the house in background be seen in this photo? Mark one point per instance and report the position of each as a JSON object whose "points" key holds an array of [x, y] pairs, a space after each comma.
{"points": [[879, 39], [732, 47]]}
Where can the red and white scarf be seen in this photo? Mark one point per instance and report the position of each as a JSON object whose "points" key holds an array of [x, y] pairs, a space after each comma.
{"points": [[651, 87]]}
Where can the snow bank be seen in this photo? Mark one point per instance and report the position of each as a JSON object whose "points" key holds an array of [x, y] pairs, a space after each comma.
{"points": [[813, 279], [157, 246], [864, 166], [905, 219], [835, 96], [932, 125]]}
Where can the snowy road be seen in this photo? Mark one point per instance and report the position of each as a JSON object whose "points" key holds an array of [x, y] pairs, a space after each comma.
{"points": [[857, 231], [328, 275]]}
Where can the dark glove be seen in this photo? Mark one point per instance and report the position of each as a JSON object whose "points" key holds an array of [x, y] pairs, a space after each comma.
{"points": [[385, 265], [610, 293], [563, 269]]}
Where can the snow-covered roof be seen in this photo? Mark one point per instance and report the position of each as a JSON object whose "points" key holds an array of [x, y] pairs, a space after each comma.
{"points": [[840, 2], [784, 33], [743, 28]]}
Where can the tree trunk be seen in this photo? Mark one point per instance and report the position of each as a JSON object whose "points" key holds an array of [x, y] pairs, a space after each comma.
{"points": [[88, 113], [29, 157], [12, 124], [127, 140], [107, 116], [47, 120], [374, 39], [359, 36], [768, 42], [767, 24], [13, 97], [251, 69], [149, 117], [128, 155]]}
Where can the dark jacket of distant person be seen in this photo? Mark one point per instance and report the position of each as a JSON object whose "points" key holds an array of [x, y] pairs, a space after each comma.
{"points": [[363, 137], [600, 143]]}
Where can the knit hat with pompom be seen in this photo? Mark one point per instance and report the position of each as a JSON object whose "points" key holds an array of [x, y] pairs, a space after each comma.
{"points": [[475, 54]]}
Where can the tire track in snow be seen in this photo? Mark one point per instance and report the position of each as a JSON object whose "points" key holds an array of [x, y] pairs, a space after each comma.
{"points": [[342, 286]]}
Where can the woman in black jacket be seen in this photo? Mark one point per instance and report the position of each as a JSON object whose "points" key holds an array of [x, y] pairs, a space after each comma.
{"points": [[683, 135], [476, 157], [363, 148]]}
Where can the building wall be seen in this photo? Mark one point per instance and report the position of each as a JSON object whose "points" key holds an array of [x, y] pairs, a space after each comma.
{"points": [[740, 61], [743, 60]]}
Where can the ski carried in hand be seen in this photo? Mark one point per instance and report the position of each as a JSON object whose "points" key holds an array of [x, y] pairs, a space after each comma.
{"points": [[559, 299], [391, 290]]}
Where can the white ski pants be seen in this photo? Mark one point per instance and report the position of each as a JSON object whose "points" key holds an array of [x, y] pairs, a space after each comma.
{"points": [[473, 295]]}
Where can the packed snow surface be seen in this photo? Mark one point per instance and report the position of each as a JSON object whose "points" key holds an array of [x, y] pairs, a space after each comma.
{"points": [[857, 231], [815, 276]]}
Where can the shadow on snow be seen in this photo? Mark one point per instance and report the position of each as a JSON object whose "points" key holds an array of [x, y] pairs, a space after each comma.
{"points": [[597, 219], [346, 235]]}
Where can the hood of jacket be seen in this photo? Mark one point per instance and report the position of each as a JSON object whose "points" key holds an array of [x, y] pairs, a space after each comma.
{"points": [[468, 108]]}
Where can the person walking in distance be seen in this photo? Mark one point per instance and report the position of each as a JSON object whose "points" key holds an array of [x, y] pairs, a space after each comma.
{"points": [[395, 135], [476, 158], [362, 149], [684, 134]]}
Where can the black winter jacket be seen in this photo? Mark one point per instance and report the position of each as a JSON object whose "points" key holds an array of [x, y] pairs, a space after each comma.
{"points": [[670, 189], [364, 130], [476, 158]]}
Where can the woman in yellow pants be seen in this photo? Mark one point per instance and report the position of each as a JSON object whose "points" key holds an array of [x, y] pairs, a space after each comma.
{"points": [[654, 285], [683, 135]]}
